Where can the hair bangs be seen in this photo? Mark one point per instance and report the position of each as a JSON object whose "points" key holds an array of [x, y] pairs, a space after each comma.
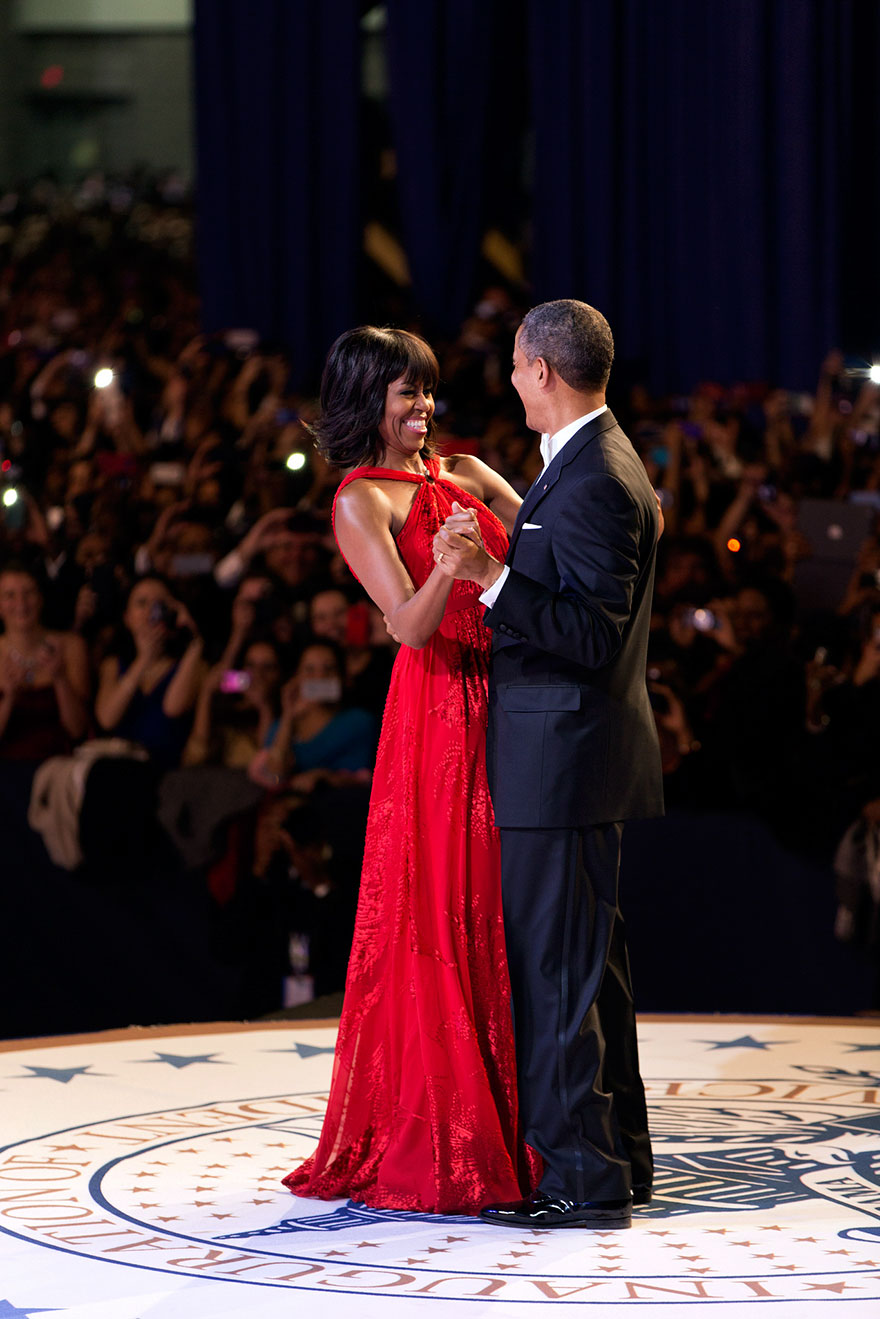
{"points": [[418, 365]]}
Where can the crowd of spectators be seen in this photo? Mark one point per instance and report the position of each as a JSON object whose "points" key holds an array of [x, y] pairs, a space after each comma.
{"points": [[169, 583]]}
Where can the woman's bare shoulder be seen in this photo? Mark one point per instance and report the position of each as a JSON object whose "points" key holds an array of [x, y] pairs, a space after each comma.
{"points": [[363, 501], [452, 462], [471, 472], [64, 640]]}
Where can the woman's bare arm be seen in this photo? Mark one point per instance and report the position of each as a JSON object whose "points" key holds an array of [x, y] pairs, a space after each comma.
{"points": [[363, 525], [477, 478], [115, 691], [71, 682]]}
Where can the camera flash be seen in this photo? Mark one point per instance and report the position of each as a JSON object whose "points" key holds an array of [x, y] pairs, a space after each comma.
{"points": [[874, 374], [296, 462], [10, 497], [103, 378]]}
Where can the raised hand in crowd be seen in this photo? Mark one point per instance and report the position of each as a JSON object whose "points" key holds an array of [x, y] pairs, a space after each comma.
{"points": [[315, 740], [673, 725], [867, 667], [864, 584], [155, 554], [266, 532], [236, 709], [202, 466]]}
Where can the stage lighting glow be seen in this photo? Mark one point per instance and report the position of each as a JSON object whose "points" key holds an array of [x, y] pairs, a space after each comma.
{"points": [[874, 374], [52, 76], [734, 545]]}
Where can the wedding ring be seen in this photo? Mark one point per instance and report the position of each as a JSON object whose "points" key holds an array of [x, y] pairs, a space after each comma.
{"points": [[440, 558]]}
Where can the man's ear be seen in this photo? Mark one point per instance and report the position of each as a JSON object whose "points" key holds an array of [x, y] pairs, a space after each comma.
{"points": [[543, 372]]}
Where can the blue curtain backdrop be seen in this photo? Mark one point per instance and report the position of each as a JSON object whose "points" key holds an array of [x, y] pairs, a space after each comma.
{"points": [[704, 172], [277, 88], [691, 175], [442, 58]]}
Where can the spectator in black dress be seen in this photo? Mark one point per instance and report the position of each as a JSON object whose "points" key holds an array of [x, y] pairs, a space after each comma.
{"points": [[148, 684]]}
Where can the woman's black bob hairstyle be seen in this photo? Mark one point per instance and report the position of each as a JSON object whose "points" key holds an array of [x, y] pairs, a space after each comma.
{"points": [[360, 366]]}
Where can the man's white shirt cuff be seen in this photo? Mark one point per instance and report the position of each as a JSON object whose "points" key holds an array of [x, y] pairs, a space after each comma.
{"points": [[491, 593]]}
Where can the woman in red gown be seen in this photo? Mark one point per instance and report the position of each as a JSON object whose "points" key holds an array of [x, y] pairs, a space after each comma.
{"points": [[422, 1112]]}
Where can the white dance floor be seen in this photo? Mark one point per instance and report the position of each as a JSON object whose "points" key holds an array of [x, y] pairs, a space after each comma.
{"points": [[140, 1179]]}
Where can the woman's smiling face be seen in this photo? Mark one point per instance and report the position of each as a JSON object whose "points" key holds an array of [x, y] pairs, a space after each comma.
{"points": [[408, 411], [20, 600]]}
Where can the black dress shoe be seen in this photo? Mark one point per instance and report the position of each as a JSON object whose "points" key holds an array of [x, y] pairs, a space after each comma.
{"points": [[543, 1211], [641, 1196]]}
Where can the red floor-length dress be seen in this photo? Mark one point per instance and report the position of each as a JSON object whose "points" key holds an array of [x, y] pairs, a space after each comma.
{"points": [[423, 1110]]}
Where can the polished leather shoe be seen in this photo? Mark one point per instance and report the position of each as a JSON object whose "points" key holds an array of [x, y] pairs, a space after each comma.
{"points": [[641, 1196], [542, 1211]]}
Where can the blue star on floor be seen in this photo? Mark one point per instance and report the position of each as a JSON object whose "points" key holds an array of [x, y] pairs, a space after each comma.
{"points": [[178, 1060], [305, 1050], [10, 1311], [61, 1074], [744, 1042], [864, 1048]]}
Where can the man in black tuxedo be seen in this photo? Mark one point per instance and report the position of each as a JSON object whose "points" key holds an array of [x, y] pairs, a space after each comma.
{"points": [[572, 752]]}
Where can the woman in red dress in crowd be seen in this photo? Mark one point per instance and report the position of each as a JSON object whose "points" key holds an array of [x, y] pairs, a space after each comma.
{"points": [[423, 1110]]}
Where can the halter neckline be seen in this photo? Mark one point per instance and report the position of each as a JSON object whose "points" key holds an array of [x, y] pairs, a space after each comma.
{"points": [[397, 474]]}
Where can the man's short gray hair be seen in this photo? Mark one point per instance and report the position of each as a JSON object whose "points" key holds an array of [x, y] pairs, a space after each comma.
{"points": [[573, 338]]}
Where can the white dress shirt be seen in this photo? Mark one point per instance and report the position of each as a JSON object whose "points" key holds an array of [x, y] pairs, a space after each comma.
{"points": [[551, 445]]}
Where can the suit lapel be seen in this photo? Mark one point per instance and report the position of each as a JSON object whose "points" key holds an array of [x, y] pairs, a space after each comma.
{"points": [[548, 478]]}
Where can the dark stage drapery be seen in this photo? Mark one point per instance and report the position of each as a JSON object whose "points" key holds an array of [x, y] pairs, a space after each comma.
{"points": [[277, 96], [705, 173], [441, 55], [691, 167]]}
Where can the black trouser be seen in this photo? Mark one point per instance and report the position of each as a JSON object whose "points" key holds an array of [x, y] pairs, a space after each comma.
{"points": [[581, 1097]]}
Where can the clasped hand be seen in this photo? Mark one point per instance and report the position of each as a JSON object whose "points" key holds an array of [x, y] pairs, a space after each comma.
{"points": [[458, 546]]}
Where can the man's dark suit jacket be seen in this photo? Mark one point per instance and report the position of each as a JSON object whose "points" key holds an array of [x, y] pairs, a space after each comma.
{"points": [[572, 740]]}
